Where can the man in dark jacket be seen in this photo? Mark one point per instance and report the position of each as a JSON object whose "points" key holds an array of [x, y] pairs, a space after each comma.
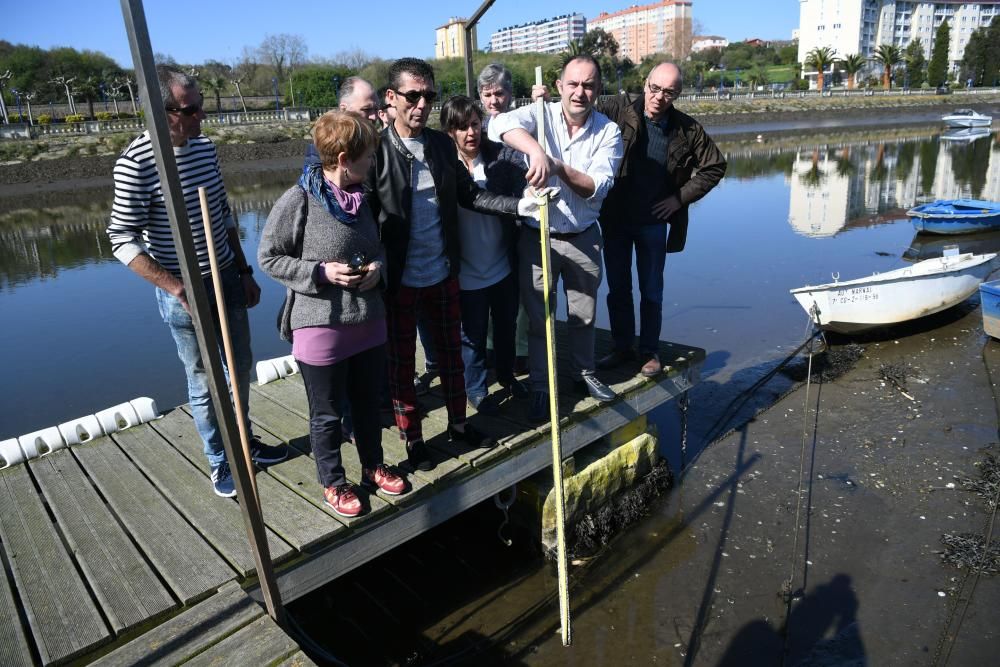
{"points": [[415, 187], [669, 162]]}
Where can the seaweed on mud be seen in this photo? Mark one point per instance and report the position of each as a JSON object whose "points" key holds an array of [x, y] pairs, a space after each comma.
{"points": [[595, 530], [987, 486], [895, 373], [968, 551], [828, 365]]}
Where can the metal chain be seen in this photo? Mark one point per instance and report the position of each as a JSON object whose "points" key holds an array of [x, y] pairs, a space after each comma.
{"points": [[504, 506], [683, 403]]}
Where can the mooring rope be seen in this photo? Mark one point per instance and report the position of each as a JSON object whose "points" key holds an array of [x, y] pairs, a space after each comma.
{"points": [[787, 591]]}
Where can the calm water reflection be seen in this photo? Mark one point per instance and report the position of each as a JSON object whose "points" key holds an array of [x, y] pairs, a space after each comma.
{"points": [[81, 332]]}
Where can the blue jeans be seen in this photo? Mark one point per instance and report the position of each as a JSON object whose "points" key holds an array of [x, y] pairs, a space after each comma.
{"points": [[499, 299], [650, 245], [182, 329]]}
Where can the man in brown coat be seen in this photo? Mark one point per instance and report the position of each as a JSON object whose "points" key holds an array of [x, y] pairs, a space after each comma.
{"points": [[669, 162]]}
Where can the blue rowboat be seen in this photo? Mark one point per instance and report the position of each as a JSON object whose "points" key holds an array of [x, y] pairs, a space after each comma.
{"points": [[955, 216]]}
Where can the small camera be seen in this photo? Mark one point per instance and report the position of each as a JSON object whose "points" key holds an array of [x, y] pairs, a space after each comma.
{"points": [[357, 261]]}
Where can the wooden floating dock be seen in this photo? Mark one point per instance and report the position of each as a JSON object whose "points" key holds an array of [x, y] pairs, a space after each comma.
{"points": [[117, 549]]}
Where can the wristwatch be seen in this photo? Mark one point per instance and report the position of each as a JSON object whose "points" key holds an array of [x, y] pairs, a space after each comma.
{"points": [[248, 271]]}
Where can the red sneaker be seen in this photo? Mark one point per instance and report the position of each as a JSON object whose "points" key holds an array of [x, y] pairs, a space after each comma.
{"points": [[385, 479], [342, 500]]}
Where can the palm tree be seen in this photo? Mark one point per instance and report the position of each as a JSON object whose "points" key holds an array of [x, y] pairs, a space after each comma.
{"points": [[215, 83], [757, 77], [820, 58], [853, 64], [888, 55]]}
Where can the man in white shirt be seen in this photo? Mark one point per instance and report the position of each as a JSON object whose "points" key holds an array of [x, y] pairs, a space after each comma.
{"points": [[584, 149]]}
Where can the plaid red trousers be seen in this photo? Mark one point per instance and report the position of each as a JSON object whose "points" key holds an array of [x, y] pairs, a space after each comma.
{"points": [[439, 304]]}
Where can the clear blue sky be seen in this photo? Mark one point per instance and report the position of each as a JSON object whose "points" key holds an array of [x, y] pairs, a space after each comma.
{"points": [[193, 31]]}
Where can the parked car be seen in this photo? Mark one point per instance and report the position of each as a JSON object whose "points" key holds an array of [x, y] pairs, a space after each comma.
{"points": [[942, 90]]}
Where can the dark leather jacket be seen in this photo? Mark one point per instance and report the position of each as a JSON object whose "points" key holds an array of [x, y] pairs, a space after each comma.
{"points": [[693, 162], [389, 194]]}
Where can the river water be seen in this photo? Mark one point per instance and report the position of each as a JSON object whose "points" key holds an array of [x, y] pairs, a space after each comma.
{"points": [[80, 333]]}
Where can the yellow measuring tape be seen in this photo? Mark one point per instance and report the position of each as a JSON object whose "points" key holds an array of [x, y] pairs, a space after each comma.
{"points": [[550, 349]]}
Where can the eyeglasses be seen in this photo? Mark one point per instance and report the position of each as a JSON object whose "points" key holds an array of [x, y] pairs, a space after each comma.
{"points": [[189, 111], [413, 96], [668, 93]]}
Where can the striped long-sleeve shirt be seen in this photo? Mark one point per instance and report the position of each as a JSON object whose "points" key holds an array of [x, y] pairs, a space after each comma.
{"points": [[139, 222]]}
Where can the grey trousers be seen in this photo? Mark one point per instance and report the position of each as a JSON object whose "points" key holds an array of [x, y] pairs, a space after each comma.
{"points": [[578, 261]]}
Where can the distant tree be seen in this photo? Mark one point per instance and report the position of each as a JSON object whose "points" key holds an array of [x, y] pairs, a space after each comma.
{"points": [[788, 55], [888, 56], [757, 76], [354, 59], [981, 59], [377, 71], [215, 83], [937, 69], [853, 63], [245, 69], [284, 52], [915, 62], [599, 43], [711, 57], [819, 59], [315, 84]]}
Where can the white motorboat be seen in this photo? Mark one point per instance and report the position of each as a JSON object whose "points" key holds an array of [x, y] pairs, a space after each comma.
{"points": [[965, 135], [967, 118], [914, 291]]}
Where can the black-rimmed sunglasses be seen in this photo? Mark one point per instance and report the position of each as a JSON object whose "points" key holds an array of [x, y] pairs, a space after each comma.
{"points": [[189, 110], [413, 96]]}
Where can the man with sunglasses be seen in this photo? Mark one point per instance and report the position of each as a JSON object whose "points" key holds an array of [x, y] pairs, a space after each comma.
{"points": [[416, 185], [669, 163], [142, 239]]}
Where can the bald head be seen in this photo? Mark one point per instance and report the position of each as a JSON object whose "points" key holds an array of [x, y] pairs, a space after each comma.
{"points": [[663, 86], [358, 96]]}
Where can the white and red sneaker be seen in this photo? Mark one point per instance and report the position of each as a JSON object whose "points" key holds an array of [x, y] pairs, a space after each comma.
{"points": [[342, 500], [384, 479]]}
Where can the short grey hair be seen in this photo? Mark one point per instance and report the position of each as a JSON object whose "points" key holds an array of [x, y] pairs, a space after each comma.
{"points": [[170, 79], [350, 83], [495, 74]]}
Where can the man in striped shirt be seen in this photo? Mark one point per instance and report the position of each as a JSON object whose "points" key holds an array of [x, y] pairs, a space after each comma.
{"points": [[141, 238]]}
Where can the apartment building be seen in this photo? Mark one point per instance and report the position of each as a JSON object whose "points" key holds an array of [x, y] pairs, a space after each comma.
{"points": [[544, 36], [662, 27], [449, 39], [860, 26]]}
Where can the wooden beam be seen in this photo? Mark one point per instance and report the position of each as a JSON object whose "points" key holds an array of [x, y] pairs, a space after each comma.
{"points": [[156, 122], [470, 25]]}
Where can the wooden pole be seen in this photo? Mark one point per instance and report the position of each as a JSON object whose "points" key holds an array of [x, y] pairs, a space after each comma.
{"points": [[550, 347], [220, 307], [194, 287], [470, 25]]}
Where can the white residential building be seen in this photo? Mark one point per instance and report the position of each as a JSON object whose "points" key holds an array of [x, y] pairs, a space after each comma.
{"points": [[545, 36], [860, 26], [662, 27], [705, 42]]}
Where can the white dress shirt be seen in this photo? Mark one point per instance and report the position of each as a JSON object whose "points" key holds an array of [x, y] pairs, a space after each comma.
{"points": [[595, 149]]}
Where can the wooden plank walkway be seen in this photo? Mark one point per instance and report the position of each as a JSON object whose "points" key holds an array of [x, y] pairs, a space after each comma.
{"points": [[118, 547]]}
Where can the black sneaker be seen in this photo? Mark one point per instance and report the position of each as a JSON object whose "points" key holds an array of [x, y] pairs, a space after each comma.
{"points": [[422, 382], [417, 456], [517, 389], [597, 390], [484, 405], [539, 410], [266, 454], [222, 480], [471, 437]]}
